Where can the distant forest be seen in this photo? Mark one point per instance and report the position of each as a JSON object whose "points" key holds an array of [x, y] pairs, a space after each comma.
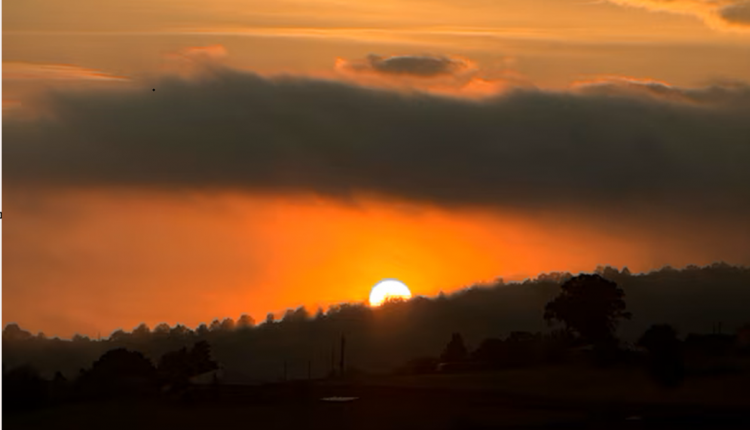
{"points": [[712, 299]]}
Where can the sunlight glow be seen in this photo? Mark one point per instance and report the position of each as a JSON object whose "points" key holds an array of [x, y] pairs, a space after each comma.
{"points": [[388, 289]]}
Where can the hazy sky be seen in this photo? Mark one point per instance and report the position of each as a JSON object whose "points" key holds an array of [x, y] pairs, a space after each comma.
{"points": [[296, 152]]}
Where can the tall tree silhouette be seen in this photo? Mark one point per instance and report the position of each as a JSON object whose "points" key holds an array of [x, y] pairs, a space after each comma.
{"points": [[119, 371], [179, 331], [227, 324], [245, 321], [174, 367], [13, 332], [202, 330], [298, 315], [121, 362], [142, 331], [455, 350], [200, 358], [179, 366], [590, 306], [119, 335], [162, 329], [80, 338]]}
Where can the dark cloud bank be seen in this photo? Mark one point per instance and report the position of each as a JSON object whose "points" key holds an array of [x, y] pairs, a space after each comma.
{"points": [[594, 147]]}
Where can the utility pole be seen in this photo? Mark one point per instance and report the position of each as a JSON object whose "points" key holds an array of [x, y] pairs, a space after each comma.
{"points": [[343, 353], [716, 328], [309, 370], [284, 370], [333, 355]]}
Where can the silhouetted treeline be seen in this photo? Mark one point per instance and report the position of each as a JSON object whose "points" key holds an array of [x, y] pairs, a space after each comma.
{"points": [[118, 373], [693, 300]]}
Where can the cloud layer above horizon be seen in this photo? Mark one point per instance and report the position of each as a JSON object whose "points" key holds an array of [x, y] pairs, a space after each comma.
{"points": [[603, 144]]}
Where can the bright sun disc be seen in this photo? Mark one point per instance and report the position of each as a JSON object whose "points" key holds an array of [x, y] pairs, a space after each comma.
{"points": [[388, 289]]}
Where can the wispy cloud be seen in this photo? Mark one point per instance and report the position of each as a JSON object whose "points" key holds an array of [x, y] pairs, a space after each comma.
{"points": [[13, 70], [207, 53], [406, 35], [11, 104], [725, 15]]}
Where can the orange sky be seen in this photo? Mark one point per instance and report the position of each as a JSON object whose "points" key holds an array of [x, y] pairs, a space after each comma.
{"points": [[114, 259], [110, 259]]}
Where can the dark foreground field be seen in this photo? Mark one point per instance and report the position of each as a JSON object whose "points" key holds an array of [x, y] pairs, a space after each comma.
{"points": [[508, 400]]}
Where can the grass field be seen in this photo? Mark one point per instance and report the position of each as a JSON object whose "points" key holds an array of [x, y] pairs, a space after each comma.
{"points": [[527, 398]]}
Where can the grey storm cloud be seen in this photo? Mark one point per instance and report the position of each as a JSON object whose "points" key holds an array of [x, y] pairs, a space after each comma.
{"points": [[416, 65], [527, 148]]}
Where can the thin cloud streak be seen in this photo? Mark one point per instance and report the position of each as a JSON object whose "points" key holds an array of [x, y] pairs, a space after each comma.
{"points": [[17, 70], [723, 15]]}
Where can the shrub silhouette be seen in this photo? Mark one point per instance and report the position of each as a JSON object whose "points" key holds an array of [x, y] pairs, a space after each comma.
{"points": [[24, 389], [665, 353], [418, 366], [490, 352], [123, 362], [521, 349], [119, 371]]}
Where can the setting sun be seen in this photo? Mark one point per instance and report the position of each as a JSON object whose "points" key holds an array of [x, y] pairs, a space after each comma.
{"points": [[388, 289]]}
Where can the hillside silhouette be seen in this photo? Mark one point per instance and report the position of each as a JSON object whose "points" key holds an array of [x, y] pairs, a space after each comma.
{"points": [[471, 340], [694, 300]]}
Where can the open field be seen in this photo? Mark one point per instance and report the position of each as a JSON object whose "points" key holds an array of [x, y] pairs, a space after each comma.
{"points": [[511, 399]]}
